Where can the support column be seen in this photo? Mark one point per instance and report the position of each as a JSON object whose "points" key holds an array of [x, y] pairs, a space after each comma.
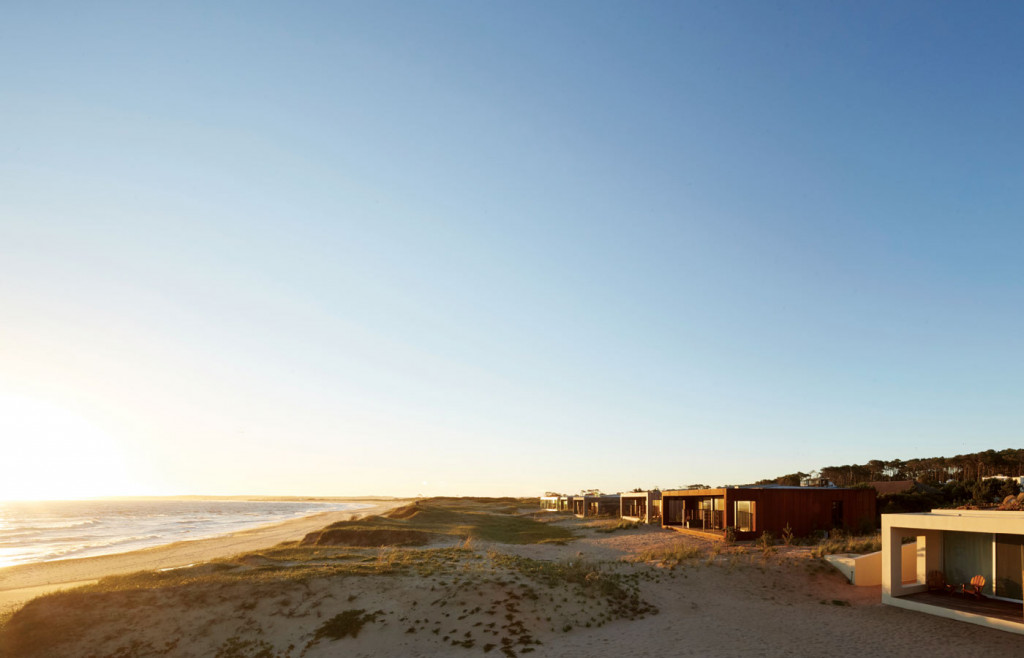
{"points": [[929, 553], [892, 563], [892, 559]]}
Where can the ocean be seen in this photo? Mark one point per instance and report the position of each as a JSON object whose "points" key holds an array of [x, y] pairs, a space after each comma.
{"points": [[59, 530]]}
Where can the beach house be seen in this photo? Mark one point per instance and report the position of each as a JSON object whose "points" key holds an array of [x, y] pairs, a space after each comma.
{"points": [[555, 502], [549, 502], [595, 504], [968, 565], [753, 510], [640, 506]]}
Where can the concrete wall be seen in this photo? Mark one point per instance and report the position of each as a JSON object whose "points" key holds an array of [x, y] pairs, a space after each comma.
{"points": [[866, 570]]}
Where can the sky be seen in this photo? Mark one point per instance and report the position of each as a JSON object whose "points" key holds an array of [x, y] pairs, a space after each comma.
{"points": [[464, 248]]}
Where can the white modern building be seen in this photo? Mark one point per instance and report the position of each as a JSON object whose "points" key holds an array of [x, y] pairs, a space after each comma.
{"points": [[1019, 479], [959, 545]]}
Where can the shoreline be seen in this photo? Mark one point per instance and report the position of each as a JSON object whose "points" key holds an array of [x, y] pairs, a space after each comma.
{"points": [[23, 582]]}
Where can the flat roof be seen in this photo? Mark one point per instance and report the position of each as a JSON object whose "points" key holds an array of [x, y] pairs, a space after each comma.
{"points": [[962, 520], [976, 513], [717, 491]]}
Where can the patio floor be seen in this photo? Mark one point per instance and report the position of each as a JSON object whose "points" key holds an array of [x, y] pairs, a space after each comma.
{"points": [[995, 608]]}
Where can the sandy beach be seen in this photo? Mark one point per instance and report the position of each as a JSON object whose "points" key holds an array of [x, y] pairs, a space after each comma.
{"points": [[21, 583], [478, 597]]}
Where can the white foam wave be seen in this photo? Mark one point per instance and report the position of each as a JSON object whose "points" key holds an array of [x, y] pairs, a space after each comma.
{"points": [[104, 527]]}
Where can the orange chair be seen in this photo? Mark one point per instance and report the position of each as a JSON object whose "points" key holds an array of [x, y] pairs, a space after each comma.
{"points": [[974, 589]]}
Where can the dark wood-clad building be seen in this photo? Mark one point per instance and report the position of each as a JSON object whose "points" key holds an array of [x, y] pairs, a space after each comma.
{"points": [[754, 510], [596, 505]]}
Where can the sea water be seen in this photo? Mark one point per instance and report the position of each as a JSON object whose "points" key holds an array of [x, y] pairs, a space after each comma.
{"points": [[58, 530]]}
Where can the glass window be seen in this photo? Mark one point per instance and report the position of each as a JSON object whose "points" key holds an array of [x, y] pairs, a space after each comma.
{"points": [[716, 504], [743, 516]]}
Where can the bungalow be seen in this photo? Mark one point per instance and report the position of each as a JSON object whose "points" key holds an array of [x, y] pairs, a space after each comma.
{"points": [[565, 503], [954, 547], [753, 510], [640, 506], [549, 502], [596, 505]]}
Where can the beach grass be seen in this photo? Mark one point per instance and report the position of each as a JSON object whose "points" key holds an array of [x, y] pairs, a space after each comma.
{"points": [[612, 526], [421, 521], [675, 556], [842, 543]]}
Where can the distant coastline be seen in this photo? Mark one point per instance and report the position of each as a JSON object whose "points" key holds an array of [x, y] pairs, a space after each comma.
{"points": [[255, 498], [44, 531]]}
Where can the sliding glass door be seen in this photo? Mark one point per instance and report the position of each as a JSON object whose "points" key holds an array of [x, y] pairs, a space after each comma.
{"points": [[967, 554], [1008, 566]]}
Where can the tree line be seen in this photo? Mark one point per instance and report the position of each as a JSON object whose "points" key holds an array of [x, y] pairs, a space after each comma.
{"points": [[935, 471]]}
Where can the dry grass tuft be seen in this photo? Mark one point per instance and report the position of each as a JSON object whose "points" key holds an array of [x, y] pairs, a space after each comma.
{"points": [[612, 526], [366, 537], [671, 557], [840, 543]]}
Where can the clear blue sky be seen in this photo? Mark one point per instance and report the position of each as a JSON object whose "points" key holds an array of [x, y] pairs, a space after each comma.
{"points": [[498, 248]]}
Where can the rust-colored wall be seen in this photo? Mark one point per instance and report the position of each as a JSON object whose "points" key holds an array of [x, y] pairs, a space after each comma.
{"points": [[805, 509]]}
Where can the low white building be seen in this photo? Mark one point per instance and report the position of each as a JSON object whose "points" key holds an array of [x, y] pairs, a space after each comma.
{"points": [[1019, 479], [955, 546]]}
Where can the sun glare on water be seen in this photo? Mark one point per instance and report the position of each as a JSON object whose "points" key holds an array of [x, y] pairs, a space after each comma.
{"points": [[50, 453]]}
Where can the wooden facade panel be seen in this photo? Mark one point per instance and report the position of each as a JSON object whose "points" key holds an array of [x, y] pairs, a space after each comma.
{"points": [[805, 509]]}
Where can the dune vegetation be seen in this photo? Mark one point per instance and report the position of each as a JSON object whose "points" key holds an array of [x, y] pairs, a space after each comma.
{"points": [[420, 522], [434, 555]]}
